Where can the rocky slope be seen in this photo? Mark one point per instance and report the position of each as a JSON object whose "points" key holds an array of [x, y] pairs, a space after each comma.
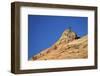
{"points": [[69, 46]]}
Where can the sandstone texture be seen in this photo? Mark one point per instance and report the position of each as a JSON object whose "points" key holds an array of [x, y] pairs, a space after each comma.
{"points": [[68, 46]]}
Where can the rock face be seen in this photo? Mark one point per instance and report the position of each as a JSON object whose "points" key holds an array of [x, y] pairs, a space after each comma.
{"points": [[69, 46]]}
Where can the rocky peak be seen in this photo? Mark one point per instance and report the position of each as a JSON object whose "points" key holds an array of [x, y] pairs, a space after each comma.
{"points": [[68, 46], [67, 36]]}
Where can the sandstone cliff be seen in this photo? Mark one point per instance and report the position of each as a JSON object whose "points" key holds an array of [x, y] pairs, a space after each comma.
{"points": [[69, 46]]}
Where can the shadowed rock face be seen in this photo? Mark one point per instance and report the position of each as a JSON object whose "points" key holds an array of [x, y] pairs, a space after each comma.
{"points": [[69, 46]]}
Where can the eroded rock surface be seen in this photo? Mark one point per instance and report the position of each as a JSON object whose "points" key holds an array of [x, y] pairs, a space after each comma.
{"points": [[69, 46]]}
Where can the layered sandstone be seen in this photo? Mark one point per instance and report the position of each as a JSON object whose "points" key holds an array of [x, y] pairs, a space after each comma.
{"points": [[68, 46]]}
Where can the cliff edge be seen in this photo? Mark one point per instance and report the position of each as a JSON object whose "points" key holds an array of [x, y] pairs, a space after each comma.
{"points": [[68, 46]]}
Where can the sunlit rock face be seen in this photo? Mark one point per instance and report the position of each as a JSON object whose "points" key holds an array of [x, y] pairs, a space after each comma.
{"points": [[68, 46]]}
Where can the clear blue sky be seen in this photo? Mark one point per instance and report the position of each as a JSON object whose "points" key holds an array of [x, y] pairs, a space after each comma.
{"points": [[43, 31]]}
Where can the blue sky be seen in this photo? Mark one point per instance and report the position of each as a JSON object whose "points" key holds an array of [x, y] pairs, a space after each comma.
{"points": [[43, 31]]}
